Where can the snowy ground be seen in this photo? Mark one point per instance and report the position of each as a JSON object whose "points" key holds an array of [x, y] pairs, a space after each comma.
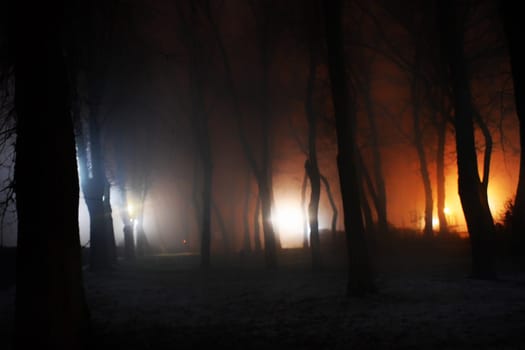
{"points": [[425, 300]]}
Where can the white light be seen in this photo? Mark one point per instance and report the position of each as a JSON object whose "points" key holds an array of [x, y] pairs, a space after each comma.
{"points": [[446, 211], [435, 222], [288, 221]]}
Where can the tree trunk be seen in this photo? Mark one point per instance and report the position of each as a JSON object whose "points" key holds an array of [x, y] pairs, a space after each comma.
{"points": [[311, 166], [222, 227], [256, 224], [143, 247], [247, 244], [380, 188], [440, 175], [513, 25], [335, 212], [128, 221], [261, 173], [270, 246], [108, 214], [50, 308], [94, 183], [304, 211], [360, 281], [419, 143], [364, 175], [206, 221], [472, 192], [313, 210]]}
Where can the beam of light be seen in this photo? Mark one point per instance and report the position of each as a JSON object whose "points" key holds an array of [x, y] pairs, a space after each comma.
{"points": [[288, 221]]}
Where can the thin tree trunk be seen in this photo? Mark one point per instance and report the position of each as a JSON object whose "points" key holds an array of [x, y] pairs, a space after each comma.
{"points": [[142, 239], [365, 176], [222, 227], [247, 244], [488, 148], [256, 224], [270, 246], [206, 221], [262, 174], [472, 192], [128, 230], [335, 212], [380, 188], [360, 281], [50, 307], [440, 175], [419, 144], [311, 166], [304, 210]]}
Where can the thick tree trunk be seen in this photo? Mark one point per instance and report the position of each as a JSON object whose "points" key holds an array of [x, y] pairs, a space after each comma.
{"points": [[94, 183], [360, 281], [472, 192], [512, 17], [50, 308], [100, 189]]}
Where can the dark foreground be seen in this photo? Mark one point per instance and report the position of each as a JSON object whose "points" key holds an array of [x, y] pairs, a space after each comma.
{"points": [[425, 301]]}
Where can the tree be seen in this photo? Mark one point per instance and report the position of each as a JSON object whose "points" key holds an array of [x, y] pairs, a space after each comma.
{"points": [[513, 27], [261, 170], [50, 302], [360, 281], [472, 192], [91, 59], [200, 121], [311, 166]]}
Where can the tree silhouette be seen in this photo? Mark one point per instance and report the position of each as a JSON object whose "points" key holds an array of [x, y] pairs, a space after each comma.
{"points": [[513, 27], [49, 288], [472, 191], [360, 281]]}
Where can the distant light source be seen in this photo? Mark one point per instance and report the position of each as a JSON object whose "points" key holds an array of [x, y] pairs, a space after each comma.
{"points": [[435, 223], [446, 210], [131, 210], [288, 221]]}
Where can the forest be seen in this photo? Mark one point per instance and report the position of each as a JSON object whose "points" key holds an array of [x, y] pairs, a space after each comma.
{"points": [[300, 174]]}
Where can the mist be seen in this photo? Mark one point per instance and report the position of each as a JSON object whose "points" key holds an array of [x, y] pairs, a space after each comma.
{"points": [[191, 161]]}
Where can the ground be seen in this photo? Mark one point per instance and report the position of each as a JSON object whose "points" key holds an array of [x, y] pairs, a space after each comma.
{"points": [[425, 300]]}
